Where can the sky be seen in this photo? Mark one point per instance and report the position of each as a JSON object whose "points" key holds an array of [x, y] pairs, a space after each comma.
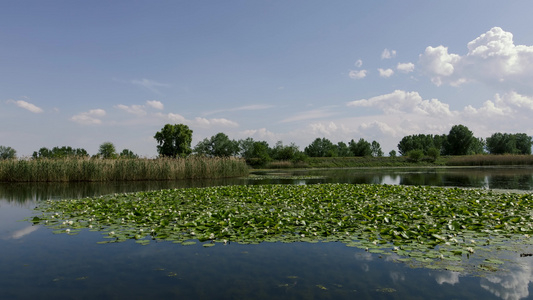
{"points": [[81, 73]]}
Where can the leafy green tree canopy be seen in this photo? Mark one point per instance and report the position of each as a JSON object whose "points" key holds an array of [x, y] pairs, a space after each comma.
{"points": [[60, 152], [174, 140], [218, 145], [7, 152], [501, 143], [459, 141], [256, 153], [321, 147], [361, 148], [127, 153], [107, 150]]}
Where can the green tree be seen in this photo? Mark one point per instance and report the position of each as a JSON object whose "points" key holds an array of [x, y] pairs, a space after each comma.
{"points": [[392, 153], [343, 150], [127, 153], [321, 147], [422, 142], [501, 143], [218, 145], [7, 152], [284, 152], [361, 148], [107, 150], [375, 149], [256, 153], [174, 140], [60, 152], [459, 141]]}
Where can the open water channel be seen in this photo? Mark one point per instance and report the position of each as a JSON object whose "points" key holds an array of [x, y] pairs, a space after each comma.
{"points": [[38, 264]]}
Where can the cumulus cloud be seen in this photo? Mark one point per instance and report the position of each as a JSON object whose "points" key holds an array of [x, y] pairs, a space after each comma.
{"points": [[155, 104], [405, 67], [385, 73], [357, 74], [91, 117], [388, 54], [401, 101], [140, 110], [492, 58], [26, 105], [133, 109], [438, 63], [358, 63]]}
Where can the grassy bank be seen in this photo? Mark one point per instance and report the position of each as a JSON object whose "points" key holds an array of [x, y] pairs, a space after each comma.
{"points": [[71, 169], [491, 160], [402, 161], [354, 162]]}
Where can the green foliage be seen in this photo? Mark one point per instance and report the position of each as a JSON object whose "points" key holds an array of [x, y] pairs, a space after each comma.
{"points": [[7, 153], [255, 153], [361, 148], [415, 155], [174, 140], [218, 145], [433, 153], [392, 153], [73, 169], [284, 152], [107, 150], [126, 153], [343, 150], [60, 152], [321, 147], [375, 149], [430, 224], [459, 141], [502, 143], [421, 142]]}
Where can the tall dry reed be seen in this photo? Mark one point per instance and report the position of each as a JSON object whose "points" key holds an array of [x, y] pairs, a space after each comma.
{"points": [[75, 169]]}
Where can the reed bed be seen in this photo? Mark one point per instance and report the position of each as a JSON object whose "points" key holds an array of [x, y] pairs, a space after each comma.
{"points": [[75, 169], [491, 160]]}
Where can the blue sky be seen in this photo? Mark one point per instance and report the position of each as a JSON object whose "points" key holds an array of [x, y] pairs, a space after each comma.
{"points": [[80, 73]]}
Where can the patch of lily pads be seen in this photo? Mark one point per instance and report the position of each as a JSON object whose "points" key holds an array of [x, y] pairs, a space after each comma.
{"points": [[434, 227]]}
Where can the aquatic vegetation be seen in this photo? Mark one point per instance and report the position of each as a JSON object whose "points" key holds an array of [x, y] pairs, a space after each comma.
{"points": [[85, 169], [422, 226]]}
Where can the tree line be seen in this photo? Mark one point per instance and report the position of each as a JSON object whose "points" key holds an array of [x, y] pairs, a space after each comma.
{"points": [[175, 141]]}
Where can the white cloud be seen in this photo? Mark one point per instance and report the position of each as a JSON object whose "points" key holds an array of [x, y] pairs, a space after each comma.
{"points": [[405, 67], [385, 73], [492, 58], [388, 54], [401, 102], [214, 122], [24, 231], [140, 110], [358, 63], [198, 121], [26, 105], [357, 74], [155, 104], [151, 85], [438, 63], [89, 118], [133, 109]]}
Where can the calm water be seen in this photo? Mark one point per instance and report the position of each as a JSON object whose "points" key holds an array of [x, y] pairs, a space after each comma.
{"points": [[40, 265]]}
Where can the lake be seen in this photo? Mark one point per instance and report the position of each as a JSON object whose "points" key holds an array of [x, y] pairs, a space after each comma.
{"points": [[37, 263]]}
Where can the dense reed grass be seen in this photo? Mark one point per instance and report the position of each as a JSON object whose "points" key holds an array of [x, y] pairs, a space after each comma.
{"points": [[73, 169], [490, 160]]}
